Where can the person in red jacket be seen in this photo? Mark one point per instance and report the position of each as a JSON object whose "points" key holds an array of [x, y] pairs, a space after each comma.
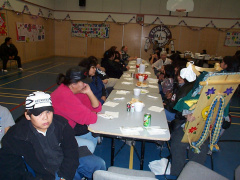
{"points": [[75, 101]]}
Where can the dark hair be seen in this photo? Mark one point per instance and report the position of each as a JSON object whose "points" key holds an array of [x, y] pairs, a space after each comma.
{"points": [[228, 60], [123, 48], [113, 48], [169, 71], [175, 57], [108, 54], [69, 77], [88, 63], [204, 51], [7, 39]]}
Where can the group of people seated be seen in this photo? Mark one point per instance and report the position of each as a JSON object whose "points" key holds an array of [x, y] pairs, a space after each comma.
{"points": [[52, 139]]}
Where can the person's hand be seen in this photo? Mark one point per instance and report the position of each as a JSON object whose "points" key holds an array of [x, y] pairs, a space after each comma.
{"points": [[117, 60], [127, 67], [103, 98], [190, 117], [86, 89], [105, 81], [164, 104]]}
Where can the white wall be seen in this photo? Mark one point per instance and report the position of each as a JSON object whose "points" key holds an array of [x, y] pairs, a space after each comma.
{"points": [[124, 10], [18, 5]]}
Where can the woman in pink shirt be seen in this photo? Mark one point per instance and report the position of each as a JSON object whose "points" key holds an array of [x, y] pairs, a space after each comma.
{"points": [[75, 101]]}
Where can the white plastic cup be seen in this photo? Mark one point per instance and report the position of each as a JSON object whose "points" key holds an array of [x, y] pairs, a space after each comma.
{"points": [[138, 106], [141, 78], [139, 60], [142, 68], [136, 91]]}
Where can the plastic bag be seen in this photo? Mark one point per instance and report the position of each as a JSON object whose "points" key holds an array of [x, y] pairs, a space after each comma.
{"points": [[188, 74], [158, 167]]}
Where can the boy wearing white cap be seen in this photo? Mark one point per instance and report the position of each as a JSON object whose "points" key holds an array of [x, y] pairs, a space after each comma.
{"points": [[46, 143]]}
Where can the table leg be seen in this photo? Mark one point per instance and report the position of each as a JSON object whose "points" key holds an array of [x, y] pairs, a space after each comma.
{"points": [[142, 155], [131, 157], [112, 151]]}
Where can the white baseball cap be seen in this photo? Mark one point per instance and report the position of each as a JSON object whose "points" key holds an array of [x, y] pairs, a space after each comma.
{"points": [[37, 102]]}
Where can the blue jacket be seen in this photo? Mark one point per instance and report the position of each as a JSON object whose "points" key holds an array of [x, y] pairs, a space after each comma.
{"points": [[98, 88]]}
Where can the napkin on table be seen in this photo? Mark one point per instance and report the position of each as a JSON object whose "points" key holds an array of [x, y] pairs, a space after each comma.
{"points": [[152, 96], [124, 82], [110, 104], [122, 92], [126, 75], [152, 86], [156, 130], [131, 130], [155, 108], [129, 79]]}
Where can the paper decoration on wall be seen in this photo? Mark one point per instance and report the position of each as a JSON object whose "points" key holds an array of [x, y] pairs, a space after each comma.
{"points": [[3, 28], [91, 30], [30, 32], [232, 39]]}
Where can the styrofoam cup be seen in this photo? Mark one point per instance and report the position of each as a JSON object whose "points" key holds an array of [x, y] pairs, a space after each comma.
{"points": [[141, 78], [138, 106], [136, 91]]}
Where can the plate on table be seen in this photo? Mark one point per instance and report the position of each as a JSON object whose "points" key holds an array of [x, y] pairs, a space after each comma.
{"points": [[144, 91], [142, 84]]}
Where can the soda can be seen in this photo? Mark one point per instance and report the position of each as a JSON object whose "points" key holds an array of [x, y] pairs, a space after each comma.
{"points": [[132, 108], [147, 120], [128, 107]]}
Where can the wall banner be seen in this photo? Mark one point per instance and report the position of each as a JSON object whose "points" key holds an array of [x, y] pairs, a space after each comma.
{"points": [[30, 32], [232, 39], [3, 27], [91, 30]]}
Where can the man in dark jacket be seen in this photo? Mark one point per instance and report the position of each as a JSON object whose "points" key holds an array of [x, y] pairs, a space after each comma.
{"points": [[9, 52], [45, 143], [113, 69]]}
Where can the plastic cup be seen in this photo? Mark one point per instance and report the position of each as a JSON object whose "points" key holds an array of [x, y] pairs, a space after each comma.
{"points": [[141, 78], [136, 91], [138, 106], [139, 60]]}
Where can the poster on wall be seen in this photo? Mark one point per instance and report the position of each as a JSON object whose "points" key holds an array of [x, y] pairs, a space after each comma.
{"points": [[232, 39], [91, 30], [3, 27], [30, 32]]}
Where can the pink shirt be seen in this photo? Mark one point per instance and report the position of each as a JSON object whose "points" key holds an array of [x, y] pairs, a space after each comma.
{"points": [[76, 108]]}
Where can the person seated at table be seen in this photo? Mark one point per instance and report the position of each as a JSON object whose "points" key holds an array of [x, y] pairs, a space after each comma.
{"points": [[161, 62], [236, 62], [75, 101], [96, 85], [113, 69], [167, 83], [6, 121], [8, 51], [155, 57], [44, 143], [204, 51], [125, 57], [108, 82], [180, 89]]}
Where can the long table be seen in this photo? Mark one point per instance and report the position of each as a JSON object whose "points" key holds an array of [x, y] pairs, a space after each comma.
{"points": [[152, 87], [111, 127]]}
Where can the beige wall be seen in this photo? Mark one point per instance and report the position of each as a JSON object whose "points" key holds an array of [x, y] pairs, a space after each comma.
{"points": [[31, 50], [185, 39]]}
